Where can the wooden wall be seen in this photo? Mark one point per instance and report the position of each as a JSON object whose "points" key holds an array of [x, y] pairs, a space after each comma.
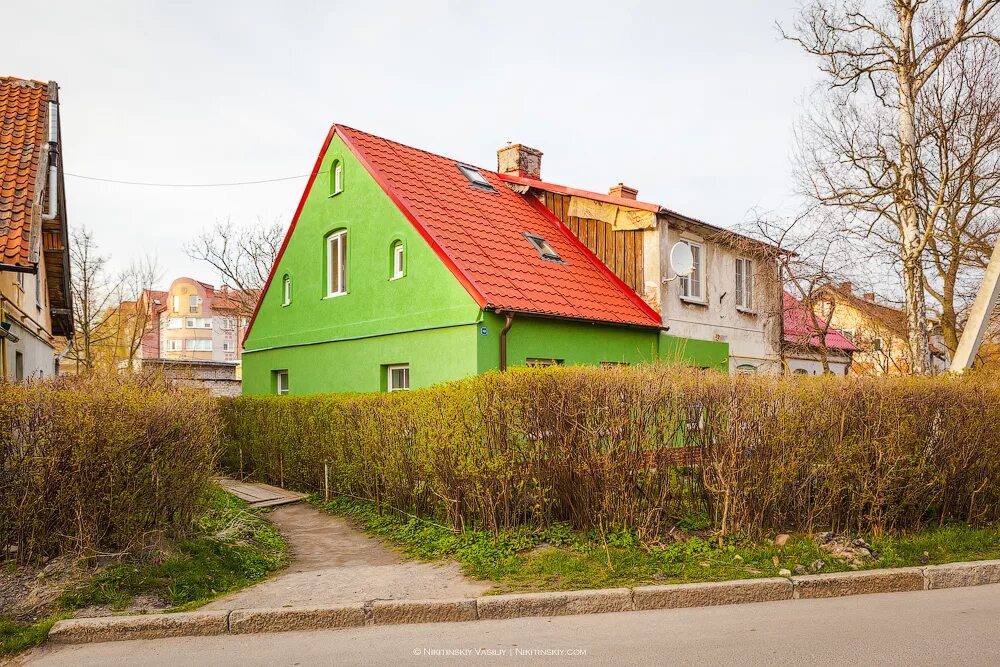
{"points": [[621, 251]]}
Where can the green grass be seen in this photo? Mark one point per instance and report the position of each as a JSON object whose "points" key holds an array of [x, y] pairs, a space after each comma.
{"points": [[229, 548], [558, 558]]}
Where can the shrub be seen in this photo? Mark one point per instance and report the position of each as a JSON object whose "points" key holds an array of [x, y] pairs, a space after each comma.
{"points": [[95, 465], [641, 448]]}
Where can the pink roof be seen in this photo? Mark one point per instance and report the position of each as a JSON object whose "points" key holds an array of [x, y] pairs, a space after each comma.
{"points": [[800, 330]]}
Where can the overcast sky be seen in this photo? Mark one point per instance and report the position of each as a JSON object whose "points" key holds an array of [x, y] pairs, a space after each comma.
{"points": [[692, 103]]}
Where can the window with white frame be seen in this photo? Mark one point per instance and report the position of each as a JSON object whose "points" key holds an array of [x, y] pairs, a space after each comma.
{"points": [[693, 284], [336, 263], [173, 345], [398, 260], [744, 284], [336, 178], [198, 344], [281, 382], [398, 377], [175, 323], [228, 346], [177, 303], [198, 322], [193, 302], [286, 290]]}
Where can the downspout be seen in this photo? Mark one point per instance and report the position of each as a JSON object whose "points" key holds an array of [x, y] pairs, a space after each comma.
{"points": [[503, 339], [53, 159]]}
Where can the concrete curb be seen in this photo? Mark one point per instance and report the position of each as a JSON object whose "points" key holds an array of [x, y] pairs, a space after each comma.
{"points": [[388, 612]]}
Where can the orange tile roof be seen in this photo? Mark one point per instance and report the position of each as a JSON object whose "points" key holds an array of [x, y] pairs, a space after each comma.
{"points": [[23, 110], [480, 236]]}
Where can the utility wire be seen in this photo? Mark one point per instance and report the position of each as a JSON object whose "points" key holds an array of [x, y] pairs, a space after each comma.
{"points": [[190, 185]]}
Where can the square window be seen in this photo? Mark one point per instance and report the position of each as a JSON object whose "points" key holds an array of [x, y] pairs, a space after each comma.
{"points": [[281, 382], [398, 377], [475, 177], [545, 251], [692, 287]]}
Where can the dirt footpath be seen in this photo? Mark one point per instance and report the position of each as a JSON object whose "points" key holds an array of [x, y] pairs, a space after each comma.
{"points": [[334, 563]]}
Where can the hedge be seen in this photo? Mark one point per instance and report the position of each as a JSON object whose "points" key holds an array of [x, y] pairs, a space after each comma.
{"points": [[93, 465], [641, 448]]}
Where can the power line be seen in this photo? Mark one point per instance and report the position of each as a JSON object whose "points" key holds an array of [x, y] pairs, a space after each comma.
{"points": [[188, 185]]}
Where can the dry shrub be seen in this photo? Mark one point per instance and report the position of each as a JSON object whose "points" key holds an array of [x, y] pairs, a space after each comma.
{"points": [[642, 447], [108, 464]]}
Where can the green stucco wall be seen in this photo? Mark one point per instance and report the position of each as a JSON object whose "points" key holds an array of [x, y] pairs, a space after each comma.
{"points": [[425, 319]]}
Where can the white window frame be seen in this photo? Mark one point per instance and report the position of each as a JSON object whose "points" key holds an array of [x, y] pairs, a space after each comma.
{"points": [[338, 178], [228, 346], [189, 347], [398, 260], [286, 291], [193, 303], [339, 239], [687, 294], [281, 382], [177, 303], [388, 377], [744, 284], [175, 322], [174, 345]]}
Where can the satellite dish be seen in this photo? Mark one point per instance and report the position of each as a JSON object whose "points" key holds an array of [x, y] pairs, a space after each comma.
{"points": [[681, 259]]}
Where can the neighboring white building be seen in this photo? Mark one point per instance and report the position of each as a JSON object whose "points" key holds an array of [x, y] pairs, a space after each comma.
{"points": [[734, 295]]}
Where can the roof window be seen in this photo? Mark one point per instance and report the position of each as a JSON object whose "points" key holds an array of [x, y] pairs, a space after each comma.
{"points": [[544, 249], [475, 177]]}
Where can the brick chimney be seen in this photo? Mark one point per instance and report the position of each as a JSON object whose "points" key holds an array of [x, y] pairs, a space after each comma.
{"points": [[847, 287], [870, 296], [520, 160], [623, 191]]}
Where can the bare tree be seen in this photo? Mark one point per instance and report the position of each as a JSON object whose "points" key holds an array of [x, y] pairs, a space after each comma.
{"points": [[242, 256], [961, 120], [813, 256], [862, 151], [95, 296], [135, 311]]}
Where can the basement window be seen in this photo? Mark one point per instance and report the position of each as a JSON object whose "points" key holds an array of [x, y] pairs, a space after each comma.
{"points": [[545, 251], [281, 382], [398, 377], [475, 177]]}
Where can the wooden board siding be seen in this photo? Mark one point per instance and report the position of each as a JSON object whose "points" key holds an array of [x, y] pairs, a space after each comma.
{"points": [[621, 251]]}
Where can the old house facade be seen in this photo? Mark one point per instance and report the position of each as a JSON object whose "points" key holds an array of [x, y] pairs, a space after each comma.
{"points": [[732, 298], [36, 316]]}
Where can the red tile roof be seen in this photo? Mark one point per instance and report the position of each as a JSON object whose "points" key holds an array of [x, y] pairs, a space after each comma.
{"points": [[799, 328], [23, 106], [480, 236]]}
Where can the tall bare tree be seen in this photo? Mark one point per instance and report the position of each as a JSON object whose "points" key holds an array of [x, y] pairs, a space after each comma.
{"points": [[135, 311], [95, 296], [961, 123], [241, 255], [862, 149]]}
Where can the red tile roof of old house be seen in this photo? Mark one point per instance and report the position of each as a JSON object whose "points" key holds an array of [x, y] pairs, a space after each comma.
{"points": [[479, 233], [23, 133], [800, 328]]}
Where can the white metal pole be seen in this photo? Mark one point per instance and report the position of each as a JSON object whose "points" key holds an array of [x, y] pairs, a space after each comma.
{"points": [[979, 316]]}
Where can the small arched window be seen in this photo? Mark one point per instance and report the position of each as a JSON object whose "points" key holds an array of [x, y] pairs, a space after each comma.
{"points": [[397, 256], [336, 178], [286, 290]]}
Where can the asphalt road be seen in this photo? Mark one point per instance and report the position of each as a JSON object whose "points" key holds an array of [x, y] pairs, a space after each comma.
{"points": [[949, 627]]}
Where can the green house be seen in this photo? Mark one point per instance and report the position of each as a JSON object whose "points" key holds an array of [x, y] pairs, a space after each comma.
{"points": [[403, 269]]}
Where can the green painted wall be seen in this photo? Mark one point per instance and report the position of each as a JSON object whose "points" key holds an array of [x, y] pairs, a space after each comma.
{"points": [[434, 356], [566, 340], [694, 352], [425, 319]]}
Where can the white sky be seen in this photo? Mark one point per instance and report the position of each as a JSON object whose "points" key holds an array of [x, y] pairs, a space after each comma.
{"points": [[692, 103]]}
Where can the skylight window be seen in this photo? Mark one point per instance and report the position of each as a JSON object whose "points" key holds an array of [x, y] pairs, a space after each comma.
{"points": [[475, 177], [546, 251]]}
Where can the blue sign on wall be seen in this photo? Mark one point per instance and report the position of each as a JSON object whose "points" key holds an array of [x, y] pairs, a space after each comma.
{"points": [[484, 331]]}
